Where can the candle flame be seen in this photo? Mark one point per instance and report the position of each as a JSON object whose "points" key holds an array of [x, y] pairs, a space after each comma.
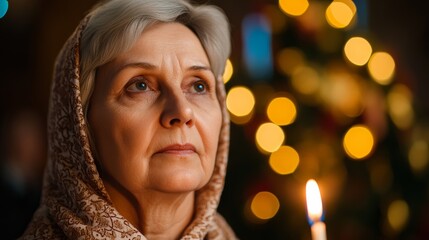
{"points": [[314, 201]]}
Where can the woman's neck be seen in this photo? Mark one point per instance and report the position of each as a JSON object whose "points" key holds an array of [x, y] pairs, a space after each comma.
{"points": [[157, 215]]}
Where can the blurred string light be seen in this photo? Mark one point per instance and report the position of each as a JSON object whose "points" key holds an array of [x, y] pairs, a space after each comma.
{"points": [[358, 142], [306, 80], [269, 137], [311, 22], [281, 111], [398, 215], [343, 92], [381, 67], [418, 156], [284, 161], [358, 50], [338, 89], [340, 13], [293, 7], [399, 105], [289, 59], [240, 103], [276, 18], [229, 70], [4, 5], [265, 205], [319, 159], [257, 46]]}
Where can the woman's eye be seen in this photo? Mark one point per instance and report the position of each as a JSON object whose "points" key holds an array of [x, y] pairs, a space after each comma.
{"points": [[138, 87], [200, 87], [141, 85]]}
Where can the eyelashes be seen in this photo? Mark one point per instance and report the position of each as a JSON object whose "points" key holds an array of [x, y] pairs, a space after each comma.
{"points": [[137, 86], [141, 85]]}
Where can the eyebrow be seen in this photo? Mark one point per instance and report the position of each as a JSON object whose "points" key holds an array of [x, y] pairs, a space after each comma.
{"points": [[149, 66], [200, 68], [143, 65]]}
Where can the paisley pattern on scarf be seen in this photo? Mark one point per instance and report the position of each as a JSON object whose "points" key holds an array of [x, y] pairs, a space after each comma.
{"points": [[75, 204]]}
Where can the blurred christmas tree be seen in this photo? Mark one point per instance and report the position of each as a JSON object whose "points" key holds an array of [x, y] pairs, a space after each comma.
{"points": [[317, 96]]}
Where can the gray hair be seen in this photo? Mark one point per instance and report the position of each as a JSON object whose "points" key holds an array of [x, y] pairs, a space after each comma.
{"points": [[115, 26]]}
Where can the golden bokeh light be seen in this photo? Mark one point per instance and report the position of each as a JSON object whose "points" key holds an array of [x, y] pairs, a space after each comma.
{"points": [[381, 67], [311, 20], [281, 111], [240, 101], [269, 137], [350, 4], [285, 160], [306, 80], [240, 120], [399, 104], [265, 205], [358, 142], [340, 13], [418, 156], [358, 50], [276, 18], [229, 70], [290, 59], [398, 214], [343, 92], [294, 7]]}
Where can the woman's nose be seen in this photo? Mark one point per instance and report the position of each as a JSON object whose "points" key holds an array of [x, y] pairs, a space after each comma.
{"points": [[177, 111]]}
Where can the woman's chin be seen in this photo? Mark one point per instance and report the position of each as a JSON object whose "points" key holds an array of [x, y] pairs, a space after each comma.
{"points": [[178, 181]]}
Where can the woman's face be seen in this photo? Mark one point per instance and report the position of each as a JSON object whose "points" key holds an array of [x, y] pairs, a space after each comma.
{"points": [[154, 114]]}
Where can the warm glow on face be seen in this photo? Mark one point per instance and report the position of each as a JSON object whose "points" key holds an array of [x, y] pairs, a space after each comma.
{"points": [[358, 142], [269, 137], [398, 214], [339, 14], [171, 54], [314, 200], [358, 50], [265, 205], [285, 160], [381, 67], [293, 7], [240, 101], [229, 70], [399, 103], [281, 111]]}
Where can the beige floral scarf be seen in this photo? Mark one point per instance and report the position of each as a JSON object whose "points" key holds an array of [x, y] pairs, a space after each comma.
{"points": [[75, 204]]}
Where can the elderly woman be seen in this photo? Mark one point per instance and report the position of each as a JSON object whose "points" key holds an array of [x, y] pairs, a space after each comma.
{"points": [[138, 130]]}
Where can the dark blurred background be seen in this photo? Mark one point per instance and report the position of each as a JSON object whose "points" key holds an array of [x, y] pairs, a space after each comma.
{"points": [[382, 194]]}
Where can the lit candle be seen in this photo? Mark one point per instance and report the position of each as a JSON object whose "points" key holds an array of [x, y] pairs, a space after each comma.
{"points": [[315, 210]]}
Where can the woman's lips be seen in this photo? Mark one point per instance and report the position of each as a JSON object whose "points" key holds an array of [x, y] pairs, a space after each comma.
{"points": [[178, 149]]}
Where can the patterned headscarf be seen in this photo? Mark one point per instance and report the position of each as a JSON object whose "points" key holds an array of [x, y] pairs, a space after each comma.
{"points": [[75, 203]]}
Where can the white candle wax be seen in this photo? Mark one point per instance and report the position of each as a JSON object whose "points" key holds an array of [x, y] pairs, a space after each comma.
{"points": [[318, 231]]}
